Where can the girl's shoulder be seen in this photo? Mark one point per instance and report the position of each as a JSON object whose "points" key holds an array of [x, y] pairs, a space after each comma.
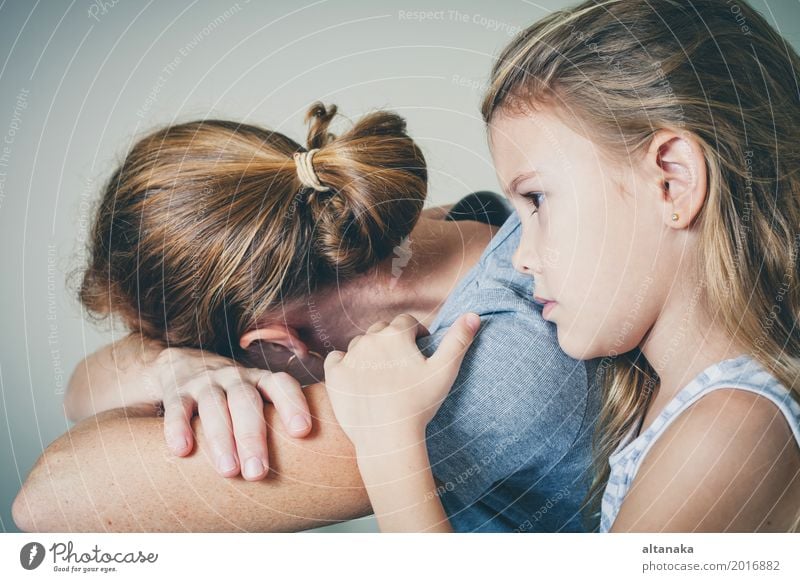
{"points": [[727, 415], [744, 387], [729, 463], [739, 379], [732, 431]]}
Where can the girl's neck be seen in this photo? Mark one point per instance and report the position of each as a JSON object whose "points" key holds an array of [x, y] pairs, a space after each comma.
{"points": [[683, 342]]}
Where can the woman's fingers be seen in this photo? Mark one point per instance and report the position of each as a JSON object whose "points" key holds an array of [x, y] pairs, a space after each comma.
{"points": [[287, 396], [178, 411], [212, 405], [249, 429]]}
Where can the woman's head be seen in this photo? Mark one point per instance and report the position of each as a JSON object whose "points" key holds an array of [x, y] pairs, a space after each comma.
{"points": [[664, 137], [206, 227]]}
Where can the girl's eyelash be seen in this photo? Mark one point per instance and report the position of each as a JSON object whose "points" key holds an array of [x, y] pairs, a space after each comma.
{"points": [[534, 198]]}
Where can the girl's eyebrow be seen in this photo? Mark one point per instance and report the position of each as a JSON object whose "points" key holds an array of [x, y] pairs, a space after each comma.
{"points": [[512, 186]]}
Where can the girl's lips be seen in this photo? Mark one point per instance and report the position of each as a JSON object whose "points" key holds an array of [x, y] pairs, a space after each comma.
{"points": [[548, 307]]}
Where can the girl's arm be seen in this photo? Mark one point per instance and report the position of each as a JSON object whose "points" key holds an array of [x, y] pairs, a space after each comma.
{"points": [[402, 490], [384, 393], [728, 463]]}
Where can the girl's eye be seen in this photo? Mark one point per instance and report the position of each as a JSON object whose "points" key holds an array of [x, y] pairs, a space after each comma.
{"points": [[535, 199]]}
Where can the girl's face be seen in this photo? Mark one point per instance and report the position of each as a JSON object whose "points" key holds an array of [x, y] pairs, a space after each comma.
{"points": [[591, 244]]}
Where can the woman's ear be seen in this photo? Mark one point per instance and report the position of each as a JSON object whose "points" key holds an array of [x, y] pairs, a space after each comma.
{"points": [[279, 337], [678, 167]]}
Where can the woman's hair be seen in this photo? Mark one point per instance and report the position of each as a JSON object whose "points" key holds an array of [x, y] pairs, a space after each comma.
{"points": [[620, 71], [205, 226]]}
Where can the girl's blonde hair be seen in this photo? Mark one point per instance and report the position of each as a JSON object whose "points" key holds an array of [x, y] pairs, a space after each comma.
{"points": [[717, 70], [205, 227]]}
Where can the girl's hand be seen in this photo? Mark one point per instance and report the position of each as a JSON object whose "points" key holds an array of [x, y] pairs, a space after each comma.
{"points": [[384, 391], [229, 401]]}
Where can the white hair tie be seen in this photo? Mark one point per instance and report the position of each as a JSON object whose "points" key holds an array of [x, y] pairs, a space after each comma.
{"points": [[305, 170]]}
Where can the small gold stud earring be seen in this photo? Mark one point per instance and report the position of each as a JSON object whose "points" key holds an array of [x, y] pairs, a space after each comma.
{"points": [[675, 216]]}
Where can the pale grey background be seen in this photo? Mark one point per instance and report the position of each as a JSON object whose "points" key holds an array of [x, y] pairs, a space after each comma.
{"points": [[80, 80]]}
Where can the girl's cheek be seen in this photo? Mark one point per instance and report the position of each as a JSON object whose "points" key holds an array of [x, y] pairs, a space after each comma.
{"points": [[553, 250], [527, 241]]}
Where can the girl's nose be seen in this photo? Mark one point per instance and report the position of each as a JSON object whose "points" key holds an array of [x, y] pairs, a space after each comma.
{"points": [[525, 262]]}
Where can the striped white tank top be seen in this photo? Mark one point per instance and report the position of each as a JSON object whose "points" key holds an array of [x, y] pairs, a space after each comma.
{"points": [[743, 372]]}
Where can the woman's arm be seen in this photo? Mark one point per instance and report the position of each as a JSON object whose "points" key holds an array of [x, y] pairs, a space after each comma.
{"points": [[114, 473], [115, 376], [229, 398]]}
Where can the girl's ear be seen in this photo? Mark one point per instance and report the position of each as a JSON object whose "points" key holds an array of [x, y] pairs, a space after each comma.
{"points": [[679, 169]]}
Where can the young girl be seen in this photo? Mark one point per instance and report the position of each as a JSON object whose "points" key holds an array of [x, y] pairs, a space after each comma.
{"points": [[650, 150]]}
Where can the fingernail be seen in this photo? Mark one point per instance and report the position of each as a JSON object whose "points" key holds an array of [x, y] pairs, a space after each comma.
{"points": [[226, 463], [298, 423], [473, 321], [253, 468], [179, 443]]}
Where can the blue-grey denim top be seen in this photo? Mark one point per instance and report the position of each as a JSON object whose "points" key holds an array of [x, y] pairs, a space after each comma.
{"points": [[511, 445]]}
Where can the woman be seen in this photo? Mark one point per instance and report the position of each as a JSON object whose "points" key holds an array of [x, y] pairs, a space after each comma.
{"points": [[237, 239], [663, 231]]}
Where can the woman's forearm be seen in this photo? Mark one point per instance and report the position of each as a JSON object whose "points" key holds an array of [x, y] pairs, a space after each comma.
{"points": [[402, 490], [118, 375]]}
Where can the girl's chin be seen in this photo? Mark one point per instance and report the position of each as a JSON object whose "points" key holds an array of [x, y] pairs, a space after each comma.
{"points": [[573, 347]]}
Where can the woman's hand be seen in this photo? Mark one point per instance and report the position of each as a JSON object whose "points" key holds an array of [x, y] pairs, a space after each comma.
{"points": [[384, 391], [229, 401]]}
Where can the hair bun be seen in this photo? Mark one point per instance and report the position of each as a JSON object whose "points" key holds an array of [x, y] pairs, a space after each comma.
{"points": [[319, 118], [378, 183]]}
